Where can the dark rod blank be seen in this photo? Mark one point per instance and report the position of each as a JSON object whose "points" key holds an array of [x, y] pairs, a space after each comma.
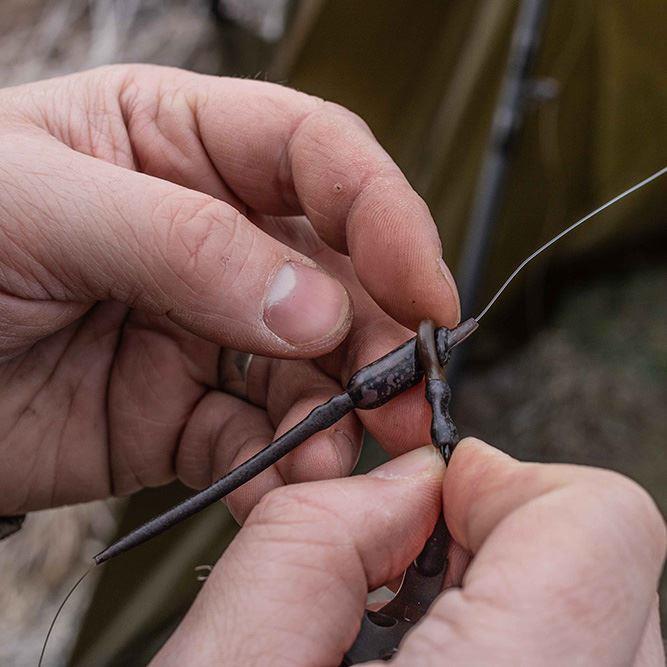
{"points": [[320, 418], [368, 388]]}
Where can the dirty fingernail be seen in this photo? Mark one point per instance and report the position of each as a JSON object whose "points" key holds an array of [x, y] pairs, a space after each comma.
{"points": [[304, 305], [345, 450], [420, 462]]}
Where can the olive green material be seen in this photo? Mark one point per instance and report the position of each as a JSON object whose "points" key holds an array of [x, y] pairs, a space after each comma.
{"points": [[425, 75]]}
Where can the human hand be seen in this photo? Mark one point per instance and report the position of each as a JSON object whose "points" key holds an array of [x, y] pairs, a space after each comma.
{"points": [[149, 216], [565, 565]]}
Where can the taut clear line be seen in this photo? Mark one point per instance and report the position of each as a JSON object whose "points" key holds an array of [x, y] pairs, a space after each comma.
{"points": [[542, 248]]}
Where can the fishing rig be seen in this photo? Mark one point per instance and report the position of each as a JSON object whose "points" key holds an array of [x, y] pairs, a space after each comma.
{"points": [[381, 631]]}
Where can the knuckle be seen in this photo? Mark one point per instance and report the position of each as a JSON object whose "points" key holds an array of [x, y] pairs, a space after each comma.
{"points": [[338, 112], [132, 72], [305, 533], [280, 505], [297, 507], [639, 509], [203, 241]]}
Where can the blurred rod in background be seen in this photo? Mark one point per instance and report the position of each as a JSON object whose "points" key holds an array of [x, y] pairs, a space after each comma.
{"points": [[512, 100]]}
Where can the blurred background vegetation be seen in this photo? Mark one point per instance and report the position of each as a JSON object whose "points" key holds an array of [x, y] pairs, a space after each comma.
{"points": [[570, 366]]}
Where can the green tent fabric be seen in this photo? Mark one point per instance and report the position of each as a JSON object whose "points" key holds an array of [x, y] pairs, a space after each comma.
{"points": [[425, 76]]}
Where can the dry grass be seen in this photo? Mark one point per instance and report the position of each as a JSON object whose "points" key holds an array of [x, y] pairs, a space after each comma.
{"points": [[43, 39]]}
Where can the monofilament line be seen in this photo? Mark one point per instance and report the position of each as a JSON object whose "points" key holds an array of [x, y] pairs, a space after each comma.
{"points": [[60, 608], [542, 248]]}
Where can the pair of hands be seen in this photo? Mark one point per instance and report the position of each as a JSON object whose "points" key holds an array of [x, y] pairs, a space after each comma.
{"points": [[149, 217]]}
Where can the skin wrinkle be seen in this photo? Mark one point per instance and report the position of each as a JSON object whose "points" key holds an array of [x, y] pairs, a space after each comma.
{"points": [[147, 464], [24, 248], [29, 290], [285, 172], [284, 175], [17, 337], [154, 113], [53, 370], [132, 116], [17, 362], [336, 579], [100, 112], [107, 401], [189, 218], [211, 441], [342, 470], [48, 381], [115, 332], [118, 456], [202, 239], [180, 432], [133, 159], [296, 232], [241, 271], [70, 395], [128, 91]]}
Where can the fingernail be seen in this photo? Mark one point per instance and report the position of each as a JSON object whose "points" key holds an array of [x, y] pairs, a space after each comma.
{"points": [[304, 305], [346, 452], [444, 269], [421, 462]]}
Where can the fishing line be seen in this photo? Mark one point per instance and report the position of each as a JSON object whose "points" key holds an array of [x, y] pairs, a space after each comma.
{"points": [[559, 236], [60, 608]]}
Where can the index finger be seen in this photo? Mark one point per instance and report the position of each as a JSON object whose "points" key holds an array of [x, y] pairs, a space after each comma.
{"points": [[282, 152], [565, 568]]}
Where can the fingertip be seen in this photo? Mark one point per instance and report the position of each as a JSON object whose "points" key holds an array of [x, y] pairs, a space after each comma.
{"points": [[420, 463], [472, 446], [475, 476], [331, 453], [471, 459], [307, 308]]}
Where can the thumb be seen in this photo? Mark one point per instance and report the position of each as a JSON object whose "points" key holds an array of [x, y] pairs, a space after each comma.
{"points": [[87, 230], [294, 582]]}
